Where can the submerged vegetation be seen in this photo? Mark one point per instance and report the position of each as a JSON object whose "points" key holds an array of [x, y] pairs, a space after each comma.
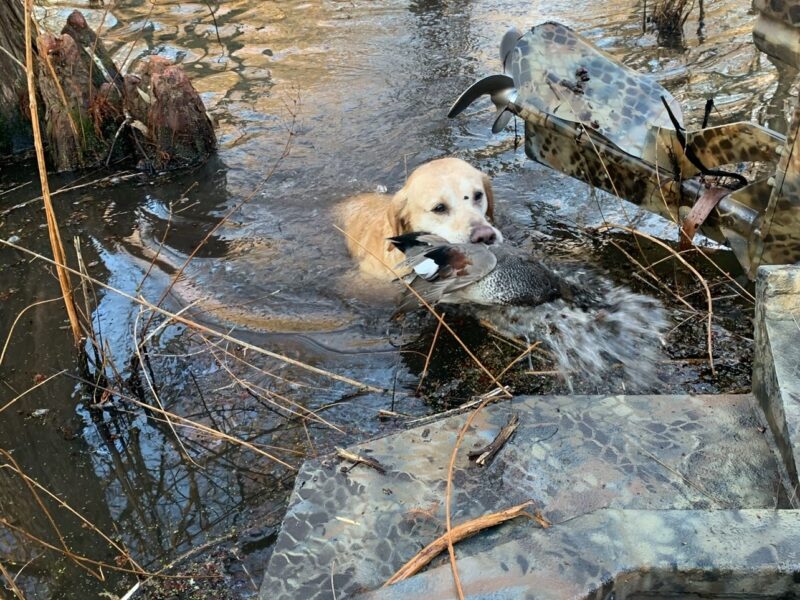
{"points": [[668, 17]]}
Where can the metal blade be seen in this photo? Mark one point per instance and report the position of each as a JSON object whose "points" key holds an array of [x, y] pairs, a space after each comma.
{"points": [[508, 44], [487, 85], [501, 120]]}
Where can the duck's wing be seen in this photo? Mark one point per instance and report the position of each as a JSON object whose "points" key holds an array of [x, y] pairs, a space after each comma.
{"points": [[412, 244], [438, 273]]}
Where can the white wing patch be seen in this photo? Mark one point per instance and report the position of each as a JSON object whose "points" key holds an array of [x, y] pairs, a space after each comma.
{"points": [[427, 269]]}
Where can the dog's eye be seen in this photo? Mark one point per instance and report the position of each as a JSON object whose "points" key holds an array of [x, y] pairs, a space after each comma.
{"points": [[478, 196], [439, 209]]}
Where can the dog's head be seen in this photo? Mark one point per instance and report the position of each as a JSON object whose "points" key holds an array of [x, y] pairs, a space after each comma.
{"points": [[449, 198]]}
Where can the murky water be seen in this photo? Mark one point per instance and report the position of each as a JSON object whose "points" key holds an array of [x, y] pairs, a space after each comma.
{"points": [[365, 88]]}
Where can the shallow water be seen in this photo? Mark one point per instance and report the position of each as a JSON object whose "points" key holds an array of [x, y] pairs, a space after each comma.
{"points": [[365, 90]]}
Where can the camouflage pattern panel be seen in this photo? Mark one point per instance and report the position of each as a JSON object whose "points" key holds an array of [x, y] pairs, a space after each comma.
{"points": [[629, 555], [667, 153], [777, 237], [729, 144], [558, 145], [560, 74], [781, 235], [738, 215], [602, 165], [776, 29], [787, 175], [787, 11], [734, 143], [572, 455]]}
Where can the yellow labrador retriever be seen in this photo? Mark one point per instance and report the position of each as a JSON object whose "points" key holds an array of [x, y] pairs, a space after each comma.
{"points": [[447, 197]]}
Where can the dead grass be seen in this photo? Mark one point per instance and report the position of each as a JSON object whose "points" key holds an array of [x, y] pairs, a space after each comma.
{"points": [[52, 223], [669, 16], [11, 583], [677, 255]]}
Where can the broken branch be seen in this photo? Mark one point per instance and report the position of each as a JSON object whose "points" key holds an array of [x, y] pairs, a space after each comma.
{"points": [[458, 533], [358, 459], [485, 454]]}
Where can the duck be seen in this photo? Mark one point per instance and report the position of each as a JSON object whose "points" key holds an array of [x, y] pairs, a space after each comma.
{"points": [[588, 323]]}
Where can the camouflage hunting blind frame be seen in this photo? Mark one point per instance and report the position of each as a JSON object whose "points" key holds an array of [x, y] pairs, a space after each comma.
{"points": [[599, 121]]}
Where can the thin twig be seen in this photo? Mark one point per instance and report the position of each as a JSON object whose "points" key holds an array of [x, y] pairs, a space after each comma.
{"points": [[30, 389], [48, 516], [304, 413], [150, 384], [75, 557], [12, 584], [694, 271], [430, 353], [260, 370], [493, 396], [458, 533], [527, 351], [358, 459], [14, 324], [216, 27], [14, 58], [87, 523], [188, 423], [123, 176], [747, 295], [448, 499], [15, 188], [333, 587], [653, 276]]}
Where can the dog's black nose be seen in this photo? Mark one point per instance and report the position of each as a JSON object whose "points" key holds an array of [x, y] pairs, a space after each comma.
{"points": [[483, 235]]}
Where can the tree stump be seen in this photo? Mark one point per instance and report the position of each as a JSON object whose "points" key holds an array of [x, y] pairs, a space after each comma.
{"points": [[161, 97], [94, 115], [15, 133]]}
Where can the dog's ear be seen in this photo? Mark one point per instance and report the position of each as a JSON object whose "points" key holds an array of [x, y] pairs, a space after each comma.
{"points": [[487, 189], [395, 213]]}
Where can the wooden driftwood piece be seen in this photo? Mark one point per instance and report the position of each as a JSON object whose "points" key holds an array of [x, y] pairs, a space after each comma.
{"points": [[462, 532]]}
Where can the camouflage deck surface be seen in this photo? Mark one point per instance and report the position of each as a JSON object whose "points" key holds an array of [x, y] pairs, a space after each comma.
{"points": [[572, 455], [688, 555], [649, 496]]}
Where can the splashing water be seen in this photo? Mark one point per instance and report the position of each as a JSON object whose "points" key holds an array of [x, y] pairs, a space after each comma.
{"points": [[603, 325]]}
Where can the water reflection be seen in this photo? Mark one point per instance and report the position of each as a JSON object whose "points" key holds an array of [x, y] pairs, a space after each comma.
{"points": [[369, 84]]}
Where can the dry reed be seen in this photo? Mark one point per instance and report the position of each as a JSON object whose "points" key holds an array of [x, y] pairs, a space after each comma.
{"points": [[11, 583], [669, 16], [52, 223], [430, 353]]}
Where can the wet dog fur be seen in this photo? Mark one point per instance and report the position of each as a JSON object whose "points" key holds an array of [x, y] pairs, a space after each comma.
{"points": [[447, 197]]}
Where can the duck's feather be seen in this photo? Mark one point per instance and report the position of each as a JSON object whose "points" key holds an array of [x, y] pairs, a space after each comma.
{"points": [[438, 272]]}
